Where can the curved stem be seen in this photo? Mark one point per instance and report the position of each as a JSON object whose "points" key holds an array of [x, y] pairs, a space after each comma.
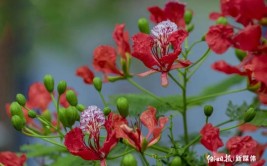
{"points": [[103, 99], [225, 122], [45, 139], [144, 159], [177, 82], [120, 155], [158, 148], [229, 128], [215, 95], [51, 125]]}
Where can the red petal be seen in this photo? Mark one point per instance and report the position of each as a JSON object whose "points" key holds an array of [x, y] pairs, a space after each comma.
{"points": [[164, 79], [148, 118], [142, 49], [177, 38], [105, 60], [156, 14], [222, 66], [214, 16], [174, 11], [76, 146], [109, 143], [218, 38], [248, 39], [11, 159], [260, 68], [133, 137], [86, 74], [39, 97], [121, 38]]}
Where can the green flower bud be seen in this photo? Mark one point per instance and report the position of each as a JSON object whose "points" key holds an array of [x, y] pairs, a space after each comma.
{"points": [[123, 106], [61, 87], [240, 54], [71, 115], [47, 115], [63, 117], [143, 25], [32, 114], [16, 109], [190, 28], [128, 160], [208, 110], [80, 107], [203, 38], [49, 82], [106, 111], [177, 161], [17, 122], [249, 115], [222, 20], [71, 97], [188, 15], [97, 83], [21, 99]]}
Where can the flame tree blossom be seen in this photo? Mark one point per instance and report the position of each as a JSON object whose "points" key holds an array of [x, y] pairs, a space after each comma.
{"points": [[91, 121], [11, 159], [155, 50], [134, 137], [173, 11]]}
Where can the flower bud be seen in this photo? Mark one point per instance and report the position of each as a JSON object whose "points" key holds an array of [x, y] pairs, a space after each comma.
{"points": [[222, 20], [263, 21], [123, 106], [177, 161], [20, 98], [143, 25], [49, 83], [71, 115], [188, 15], [240, 54], [106, 111], [97, 83], [203, 38], [47, 115], [16, 109], [249, 115], [128, 160], [208, 110], [80, 107], [32, 114], [71, 97], [17, 122], [190, 28], [61, 87], [62, 117]]}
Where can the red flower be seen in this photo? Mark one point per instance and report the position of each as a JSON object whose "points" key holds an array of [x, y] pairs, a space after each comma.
{"points": [[248, 127], [260, 68], [173, 11], [155, 127], [211, 137], [241, 145], [11, 159], [105, 60], [224, 67], [91, 121], [219, 37], [39, 97], [259, 163], [154, 51], [248, 39], [121, 38], [86, 74]]}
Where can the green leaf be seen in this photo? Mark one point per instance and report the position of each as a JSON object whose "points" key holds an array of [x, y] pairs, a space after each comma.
{"points": [[36, 150], [236, 112], [260, 119], [223, 85], [70, 160], [139, 102]]}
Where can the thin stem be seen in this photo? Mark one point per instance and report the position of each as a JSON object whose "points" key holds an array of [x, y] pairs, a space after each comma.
{"points": [[57, 106], [103, 99], [120, 155], [53, 99], [40, 136], [225, 122], [198, 63], [190, 48], [229, 128], [171, 133], [144, 159], [45, 139], [184, 112], [192, 142], [161, 149], [215, 95], [177, 82], [51, 125]]}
